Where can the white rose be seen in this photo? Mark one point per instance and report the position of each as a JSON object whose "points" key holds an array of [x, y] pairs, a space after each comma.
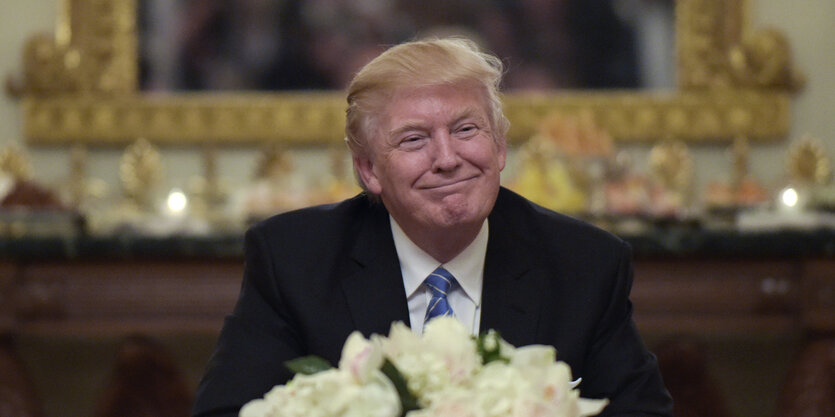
{"points": [[425, 374], [460, 405], [591, 407], [533, 356], [360, 357], [256, 408], [452, 342], [331, 393], [378, 398], [555, 383], [499, 389], [444, 358], [401, 339]]}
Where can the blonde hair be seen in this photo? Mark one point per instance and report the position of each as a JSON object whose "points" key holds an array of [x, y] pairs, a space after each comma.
{"points": [[426, 62]]}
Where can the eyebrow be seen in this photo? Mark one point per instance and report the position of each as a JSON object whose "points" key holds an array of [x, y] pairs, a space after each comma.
{"points": [[468, 112], [457, 118], [410, 125]]}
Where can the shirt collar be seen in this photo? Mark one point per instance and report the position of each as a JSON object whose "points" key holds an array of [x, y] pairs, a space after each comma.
{"points": [[467, 267]]}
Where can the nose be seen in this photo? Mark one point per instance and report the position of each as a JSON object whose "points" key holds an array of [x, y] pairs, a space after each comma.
{"points": [[446, 154]]}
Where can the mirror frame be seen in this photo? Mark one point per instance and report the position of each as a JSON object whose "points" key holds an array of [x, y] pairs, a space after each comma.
{"points": [[80, 85]]}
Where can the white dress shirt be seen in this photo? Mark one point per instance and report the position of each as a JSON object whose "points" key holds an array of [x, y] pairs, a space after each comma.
{"points": [[467, 268]]}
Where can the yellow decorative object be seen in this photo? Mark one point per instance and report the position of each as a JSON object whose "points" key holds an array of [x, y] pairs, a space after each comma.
{"points": [[576, 135], [559, 165], [214, 192], [339, 183], [208, 191], [140, 172], [671, 171], [82, 85], [742, 190], [764, 60], [808, 162], [78, 174], [274, 189], [550, 184], [273, 163], [94, 50], [15, 163], [740, 152], [671, 165]]}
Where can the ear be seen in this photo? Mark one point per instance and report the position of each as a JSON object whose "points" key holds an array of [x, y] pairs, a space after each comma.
{"points": [[501, 152], [365, 172]]}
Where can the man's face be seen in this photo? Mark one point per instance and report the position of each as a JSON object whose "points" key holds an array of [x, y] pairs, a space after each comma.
{"points": [[433, 158]]}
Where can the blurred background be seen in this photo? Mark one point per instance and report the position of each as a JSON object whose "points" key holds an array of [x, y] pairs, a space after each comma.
{"points": [[118, 262]]}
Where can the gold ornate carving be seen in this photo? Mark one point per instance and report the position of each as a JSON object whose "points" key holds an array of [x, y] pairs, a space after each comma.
{"points": [[740, 152], [93, 51], [140, 171], [764, 60], [273, 163], [808, 162], [81, 86], [15, 163], [704, 29], [671, 165]]}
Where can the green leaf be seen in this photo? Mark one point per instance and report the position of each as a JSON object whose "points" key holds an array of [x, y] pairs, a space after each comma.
{"points": [[407, 400], [308, 365], [489, 347]]}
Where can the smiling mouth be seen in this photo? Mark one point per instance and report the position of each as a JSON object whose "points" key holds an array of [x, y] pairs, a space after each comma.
{"points": [[449, 184]]}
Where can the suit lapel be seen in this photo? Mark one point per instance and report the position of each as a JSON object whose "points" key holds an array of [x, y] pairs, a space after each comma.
{"points": [[511, 292], [373, 278], [513, 286]]}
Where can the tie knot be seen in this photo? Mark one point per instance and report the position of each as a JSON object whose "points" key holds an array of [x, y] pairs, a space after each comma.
{"points": [[439, 282]]}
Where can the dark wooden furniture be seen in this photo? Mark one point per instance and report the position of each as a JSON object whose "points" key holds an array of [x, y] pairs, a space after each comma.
{"points": [[687, 283]]}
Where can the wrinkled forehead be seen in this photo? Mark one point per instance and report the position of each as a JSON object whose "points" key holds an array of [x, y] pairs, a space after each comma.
{"points": [[385, 106]]}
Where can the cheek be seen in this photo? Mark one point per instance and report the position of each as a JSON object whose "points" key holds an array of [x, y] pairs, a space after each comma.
{"points": [[408, 168], [487, 156]]}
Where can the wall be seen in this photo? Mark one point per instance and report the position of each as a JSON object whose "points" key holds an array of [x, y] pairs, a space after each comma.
{"points": [[20, 19], [807, 23]]}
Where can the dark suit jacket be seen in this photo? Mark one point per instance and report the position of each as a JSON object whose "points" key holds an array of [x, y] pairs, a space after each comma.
{"points": [[313, 276]]}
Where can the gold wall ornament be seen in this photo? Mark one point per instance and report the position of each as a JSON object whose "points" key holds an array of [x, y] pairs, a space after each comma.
{"points": [[339, 182], [808, 161], [740, 153], [210, 193], [741, 189], [215, 193], [93, 51], [764, 60], [671, 164], [82, 85], [140, 171], [576, 134], [273, 163], [80, 188], [550, 179], [705, 28], [15, 163], [78, 175]]}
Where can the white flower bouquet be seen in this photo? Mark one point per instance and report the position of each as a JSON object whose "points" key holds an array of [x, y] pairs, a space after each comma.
{"points": [[444, 373]]}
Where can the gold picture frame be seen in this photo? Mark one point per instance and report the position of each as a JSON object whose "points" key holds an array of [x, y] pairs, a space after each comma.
{"points": [[81, 86]]}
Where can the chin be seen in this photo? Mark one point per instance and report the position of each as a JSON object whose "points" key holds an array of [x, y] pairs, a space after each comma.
{"points": [[459, 215]]}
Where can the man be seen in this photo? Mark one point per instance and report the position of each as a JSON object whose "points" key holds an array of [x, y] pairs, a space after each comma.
{"points": [[427, 133]]}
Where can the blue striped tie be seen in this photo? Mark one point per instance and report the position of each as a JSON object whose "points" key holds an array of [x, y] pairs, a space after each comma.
{"points": [[439, 282]]}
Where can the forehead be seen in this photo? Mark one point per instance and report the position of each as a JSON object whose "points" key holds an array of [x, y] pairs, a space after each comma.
{"points": [[433, 104]]}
